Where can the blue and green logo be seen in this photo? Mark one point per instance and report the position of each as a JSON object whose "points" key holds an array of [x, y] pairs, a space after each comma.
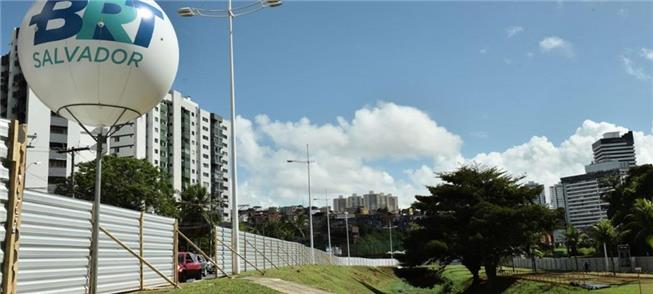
{"points": [[101, 20]]}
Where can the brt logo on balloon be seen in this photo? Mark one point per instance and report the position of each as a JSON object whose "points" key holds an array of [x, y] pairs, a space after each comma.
{"points": [[100, 20]]}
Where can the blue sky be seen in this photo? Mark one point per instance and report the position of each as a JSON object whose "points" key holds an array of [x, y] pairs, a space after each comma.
{"points": [[495, 74]]}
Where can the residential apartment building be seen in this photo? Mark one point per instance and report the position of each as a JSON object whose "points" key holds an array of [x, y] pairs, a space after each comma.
{"points": [[185, 141], [370, 202], [48, 132]]}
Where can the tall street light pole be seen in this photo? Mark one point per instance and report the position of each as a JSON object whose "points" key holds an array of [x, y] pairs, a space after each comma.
{"points": [[310, 199], [230, 13], [326, 199]]}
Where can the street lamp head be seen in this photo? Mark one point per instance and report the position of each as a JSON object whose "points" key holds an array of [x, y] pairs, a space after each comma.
{"points": [[272, 3], [290, 161], [186, 11]]}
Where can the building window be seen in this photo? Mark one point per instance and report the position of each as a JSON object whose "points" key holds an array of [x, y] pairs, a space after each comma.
{"points": [[205, 147], [116, 139], [156, 130], [156, 161], [58, 130], [156, 140], [205, 156], [204, 119], [205, 137], [205, 128], [156, 151], [57, 163]]}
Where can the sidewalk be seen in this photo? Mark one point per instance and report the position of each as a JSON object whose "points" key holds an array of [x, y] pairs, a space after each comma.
{"points": [[285, 286]]}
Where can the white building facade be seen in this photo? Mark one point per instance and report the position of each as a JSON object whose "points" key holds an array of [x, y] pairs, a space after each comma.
{"points": [[185, 141]]}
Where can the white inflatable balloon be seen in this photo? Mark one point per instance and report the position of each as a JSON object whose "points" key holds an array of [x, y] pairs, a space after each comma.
{"points": [[98, 61]]}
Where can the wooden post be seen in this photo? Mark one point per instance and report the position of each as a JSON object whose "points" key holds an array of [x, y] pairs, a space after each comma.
{"points": [[123, 245], [140, 242], [263, 254], [175, 251], [16, 158]]}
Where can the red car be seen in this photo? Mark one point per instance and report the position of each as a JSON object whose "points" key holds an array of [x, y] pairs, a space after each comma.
{"points": [[189, 267]]}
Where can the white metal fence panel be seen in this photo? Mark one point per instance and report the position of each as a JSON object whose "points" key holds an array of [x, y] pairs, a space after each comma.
{"points": [[263, 252], [593, 264], [55, 246], [158, 234]]}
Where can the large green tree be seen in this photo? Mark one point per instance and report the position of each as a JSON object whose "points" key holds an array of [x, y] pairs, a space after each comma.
{"points": [[477, 215], [126, 182]]}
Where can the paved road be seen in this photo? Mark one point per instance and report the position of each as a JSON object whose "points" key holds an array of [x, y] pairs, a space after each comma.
{"points": [[285, 286]]}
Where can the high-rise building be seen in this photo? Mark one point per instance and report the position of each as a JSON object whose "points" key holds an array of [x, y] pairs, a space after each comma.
{"points": [[183, 140], [370, 201], [584, 206], [340, 204], [541, 198], [557, 193], [613, 147], [48, 132], [613, 156]]}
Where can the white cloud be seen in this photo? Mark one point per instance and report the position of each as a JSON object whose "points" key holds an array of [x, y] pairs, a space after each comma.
{"points": [[507, 61], [623, 12], [344, 153], [555, 44], [356, 155], [483, 51], [634, 70], [647, 53], [530, 54], [514, 31], [542, 161]]}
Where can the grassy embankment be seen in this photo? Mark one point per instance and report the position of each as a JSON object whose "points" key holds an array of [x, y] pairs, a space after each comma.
{"points": [[340, 279]]}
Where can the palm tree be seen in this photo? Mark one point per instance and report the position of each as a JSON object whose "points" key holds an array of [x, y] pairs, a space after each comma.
{"points": [[604, 233], [197, 219], [572, 238], [640, 221]]}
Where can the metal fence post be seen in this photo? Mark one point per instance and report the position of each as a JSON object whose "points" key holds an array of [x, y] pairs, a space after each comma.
{"points": [[140, 250], [175, 251]]}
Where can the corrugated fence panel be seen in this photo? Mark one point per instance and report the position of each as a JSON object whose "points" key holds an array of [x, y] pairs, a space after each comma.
{"points": [[55, 246], [118, 269], [157, 249]]}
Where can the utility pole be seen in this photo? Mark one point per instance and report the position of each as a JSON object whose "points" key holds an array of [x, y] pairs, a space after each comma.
{"points": [[390, 227], [72, 165]]}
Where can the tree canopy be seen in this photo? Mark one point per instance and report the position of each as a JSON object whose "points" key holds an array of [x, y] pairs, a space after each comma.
{"points": [[624, 208], [126, 182], [477, 215]]}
